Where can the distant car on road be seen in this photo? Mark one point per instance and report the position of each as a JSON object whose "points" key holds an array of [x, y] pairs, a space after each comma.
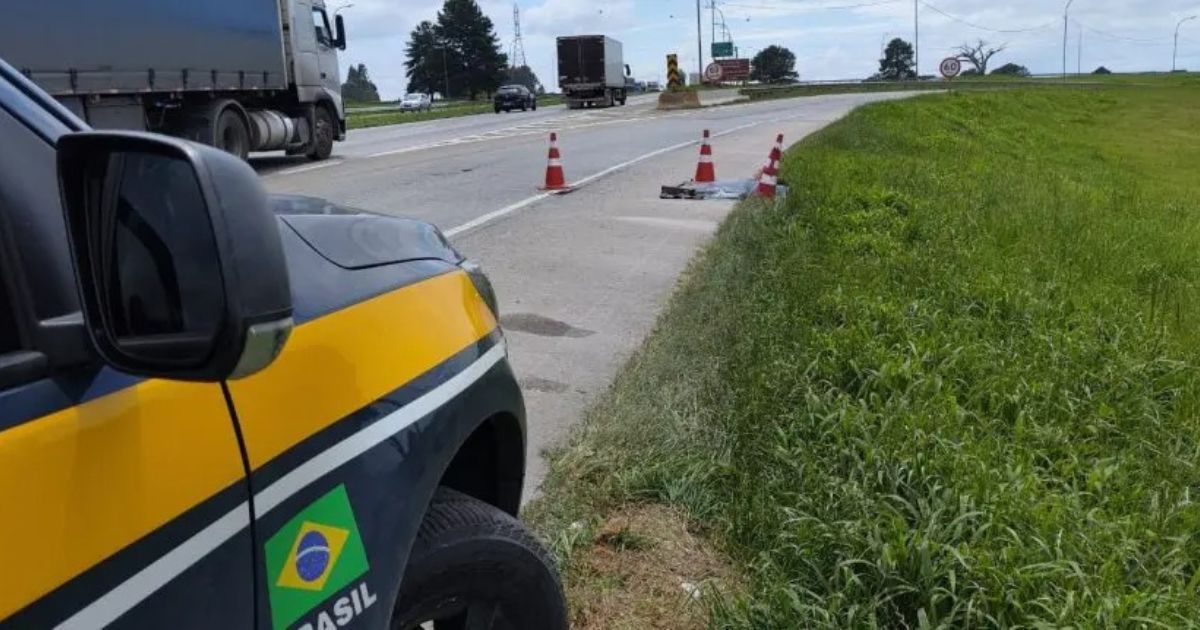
{"points": [[510, 97], [416, 103]]}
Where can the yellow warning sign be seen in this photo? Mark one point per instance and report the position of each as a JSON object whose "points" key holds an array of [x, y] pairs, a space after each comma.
{"points": [[674, 79]]}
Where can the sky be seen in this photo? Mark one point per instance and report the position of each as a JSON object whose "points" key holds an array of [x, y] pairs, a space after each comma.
{"points": [[832, 39]]}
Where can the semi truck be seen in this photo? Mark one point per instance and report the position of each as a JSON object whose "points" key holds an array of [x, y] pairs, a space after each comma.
{"points": [[592, 71], [240, 75]]}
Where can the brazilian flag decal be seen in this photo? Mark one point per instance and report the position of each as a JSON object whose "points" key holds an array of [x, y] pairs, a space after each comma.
{"points": [[313, 556]]}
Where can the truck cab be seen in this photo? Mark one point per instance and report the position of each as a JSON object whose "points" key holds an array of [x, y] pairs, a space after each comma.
{"points": [[225, 409]]}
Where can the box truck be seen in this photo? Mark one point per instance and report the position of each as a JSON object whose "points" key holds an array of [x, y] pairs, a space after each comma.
{"points": [[241, 75], [591, 71]]}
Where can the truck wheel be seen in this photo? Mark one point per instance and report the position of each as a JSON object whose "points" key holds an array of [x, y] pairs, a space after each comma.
{"points": [[231, 134], [322, 144], [475, 567], [534, 106]]}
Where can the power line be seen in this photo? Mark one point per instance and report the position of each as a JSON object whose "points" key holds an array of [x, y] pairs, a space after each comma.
{"points": [[1136, 40], [985, 28], [803, 7]]}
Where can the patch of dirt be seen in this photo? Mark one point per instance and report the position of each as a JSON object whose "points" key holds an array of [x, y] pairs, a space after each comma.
{"points": [[646, 569]]}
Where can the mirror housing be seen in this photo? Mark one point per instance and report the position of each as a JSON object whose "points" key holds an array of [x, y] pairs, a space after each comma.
{"points": [[339, 26], [177, 256]]}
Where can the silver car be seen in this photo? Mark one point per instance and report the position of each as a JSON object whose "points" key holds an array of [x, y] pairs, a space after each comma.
{"points": [[416, 103]]}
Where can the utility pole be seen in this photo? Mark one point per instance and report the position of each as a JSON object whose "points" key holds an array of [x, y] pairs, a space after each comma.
{"points": [[1079, 54], [917, 38], [1065, 12], [699, 45], [1175, 51], [446, 72], [712, 12]]}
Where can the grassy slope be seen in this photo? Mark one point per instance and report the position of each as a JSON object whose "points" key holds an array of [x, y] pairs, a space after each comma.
{"points": [[379, 119], [953, 382]]}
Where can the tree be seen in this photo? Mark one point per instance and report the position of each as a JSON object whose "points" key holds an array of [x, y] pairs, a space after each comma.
{"points": [[897, 62], [523, 75], [1012, 69], [774, 64], [979, 55], [475, 58], [358, 86], [1102, 70], [427, 60]]}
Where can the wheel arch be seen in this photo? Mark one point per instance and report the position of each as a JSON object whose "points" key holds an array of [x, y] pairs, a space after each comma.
{"points": [[339, 121], [490, 464]]}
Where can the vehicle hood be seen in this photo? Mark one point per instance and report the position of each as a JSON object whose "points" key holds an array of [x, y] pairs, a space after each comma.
{"points": [[357, 239]]}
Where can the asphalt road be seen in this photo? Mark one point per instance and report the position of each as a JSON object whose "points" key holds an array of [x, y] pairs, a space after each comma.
{"points": [[581, 277]]}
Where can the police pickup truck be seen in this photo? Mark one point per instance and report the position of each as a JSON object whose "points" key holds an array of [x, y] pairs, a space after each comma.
{"points": [[221, 409]]}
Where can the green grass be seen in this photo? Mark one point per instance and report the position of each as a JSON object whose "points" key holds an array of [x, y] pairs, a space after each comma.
{"points": [[454, 110], [379, 119], [1153, 80], [952, 382]]}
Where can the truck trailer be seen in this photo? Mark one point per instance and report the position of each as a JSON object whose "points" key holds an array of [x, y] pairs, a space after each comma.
{"points": [[240, 75], [592, 71]]}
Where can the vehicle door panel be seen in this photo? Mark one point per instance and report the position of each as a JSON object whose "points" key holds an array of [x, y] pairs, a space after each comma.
{"points": [[105, 477], [304, 45]]}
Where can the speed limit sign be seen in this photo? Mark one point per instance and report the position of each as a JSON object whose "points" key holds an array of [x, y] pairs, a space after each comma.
{"points": [[713, 72], [950, 67]]}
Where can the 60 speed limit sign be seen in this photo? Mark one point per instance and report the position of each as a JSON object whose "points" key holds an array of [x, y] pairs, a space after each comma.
{"points": [[950, 67]]}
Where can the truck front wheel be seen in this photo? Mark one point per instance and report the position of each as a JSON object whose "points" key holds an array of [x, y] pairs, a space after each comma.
{"points": [[474, 566], [322, 142]]}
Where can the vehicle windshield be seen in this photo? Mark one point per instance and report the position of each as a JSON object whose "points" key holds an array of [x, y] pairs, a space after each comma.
{"points": [[510, 89], [413, 98]]}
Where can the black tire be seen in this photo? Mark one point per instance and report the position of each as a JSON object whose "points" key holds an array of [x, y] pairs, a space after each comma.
{"points": [[497, 110], [322, 145], [230, 133], [534, 106], [474, 567]]}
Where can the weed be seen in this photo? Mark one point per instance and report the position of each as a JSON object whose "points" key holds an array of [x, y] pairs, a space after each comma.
{"points": [[952, 383]]}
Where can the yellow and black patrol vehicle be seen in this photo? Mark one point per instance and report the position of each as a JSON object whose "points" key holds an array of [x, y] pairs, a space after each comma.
{"points": [[222, 409]]}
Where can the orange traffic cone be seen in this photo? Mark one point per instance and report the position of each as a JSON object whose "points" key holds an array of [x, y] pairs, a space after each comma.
{"points": [[770, 172], [555, 179], [705, 171]]}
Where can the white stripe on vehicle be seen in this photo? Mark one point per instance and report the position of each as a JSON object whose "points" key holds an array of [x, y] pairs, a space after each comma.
{"points": [[121, 599]]}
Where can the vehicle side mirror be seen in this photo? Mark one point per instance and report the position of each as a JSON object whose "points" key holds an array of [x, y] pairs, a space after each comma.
{"points": [[628, 72], [177, 256], [339, 38]]}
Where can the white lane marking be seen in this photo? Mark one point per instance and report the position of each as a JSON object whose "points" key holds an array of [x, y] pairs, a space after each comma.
{"points": [[308, 167], [496, 214], [493, 215], [167, 567], [346, 450], [108, 607], [524, 129]]}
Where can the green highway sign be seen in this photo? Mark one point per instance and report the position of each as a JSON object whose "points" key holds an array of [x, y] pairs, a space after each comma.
{"points": [[722, 49]]}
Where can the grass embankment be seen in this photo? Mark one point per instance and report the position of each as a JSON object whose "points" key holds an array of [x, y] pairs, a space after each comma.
{"points": [[989, 82], [396, 117], [951, 383]]}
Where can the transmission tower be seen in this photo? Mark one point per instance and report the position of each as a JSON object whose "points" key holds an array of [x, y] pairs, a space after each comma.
{"points": [[517, 53]]}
